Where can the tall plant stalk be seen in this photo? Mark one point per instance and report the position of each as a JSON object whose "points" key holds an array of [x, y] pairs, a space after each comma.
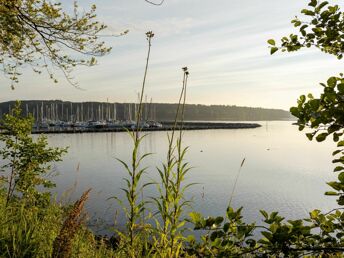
{"points": [[133, 188], [165, 174], [149, 35], [181, 170], [170, 202]]}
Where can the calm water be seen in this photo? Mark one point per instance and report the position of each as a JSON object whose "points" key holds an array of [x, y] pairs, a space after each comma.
{"points": [[283, 171]]}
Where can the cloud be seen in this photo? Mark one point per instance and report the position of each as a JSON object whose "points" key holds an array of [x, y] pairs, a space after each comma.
{"points": [[223, 43]]}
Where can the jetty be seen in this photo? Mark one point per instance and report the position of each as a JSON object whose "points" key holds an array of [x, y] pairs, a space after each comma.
{"points": [[165, 126]]}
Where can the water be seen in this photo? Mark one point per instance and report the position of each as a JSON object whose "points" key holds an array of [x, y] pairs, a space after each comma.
{"points": [[283, 171]]}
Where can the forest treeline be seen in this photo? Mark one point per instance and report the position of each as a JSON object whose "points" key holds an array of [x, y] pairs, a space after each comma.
{"points": [[85, 111]]}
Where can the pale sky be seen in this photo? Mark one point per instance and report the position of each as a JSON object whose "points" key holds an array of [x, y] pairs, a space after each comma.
{"points": [[223, 42]]}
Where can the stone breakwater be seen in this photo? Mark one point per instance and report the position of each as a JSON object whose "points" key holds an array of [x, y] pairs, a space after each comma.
{"points": [[166, 126]]}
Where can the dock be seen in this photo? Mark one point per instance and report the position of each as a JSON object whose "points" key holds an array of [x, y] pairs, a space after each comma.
{"points": [[166, 126]]}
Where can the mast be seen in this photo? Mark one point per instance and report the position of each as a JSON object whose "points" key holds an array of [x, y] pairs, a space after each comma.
{"points": [[82, 112], [150, 110], [62, 118], [114, 112], [98, 112], [42, 112], [71, 112], [146, 109], [129, 111]]}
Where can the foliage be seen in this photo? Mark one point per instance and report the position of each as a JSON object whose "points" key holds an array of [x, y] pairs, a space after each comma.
{"points": [[27, 231], [320, 234], [40, 34], [325, 114], [26, 162], [30, 231], [323, 29]]}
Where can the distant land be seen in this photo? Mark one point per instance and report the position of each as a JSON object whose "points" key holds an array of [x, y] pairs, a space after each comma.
{"points": [[85, 111]]}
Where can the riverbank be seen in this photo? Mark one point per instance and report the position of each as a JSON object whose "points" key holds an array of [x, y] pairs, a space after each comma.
{"points": [[166, 126]]}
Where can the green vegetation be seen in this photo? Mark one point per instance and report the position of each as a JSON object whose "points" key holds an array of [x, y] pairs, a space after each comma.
{"points": [[25, 160], [38, 33], [32, 224], [30, 221], [325, 115]]}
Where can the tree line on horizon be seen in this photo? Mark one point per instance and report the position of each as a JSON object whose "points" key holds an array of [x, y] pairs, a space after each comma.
{"points": [[85, 111]]}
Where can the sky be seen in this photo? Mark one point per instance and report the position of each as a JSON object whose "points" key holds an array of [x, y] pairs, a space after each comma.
{"points": [[222, 42]]}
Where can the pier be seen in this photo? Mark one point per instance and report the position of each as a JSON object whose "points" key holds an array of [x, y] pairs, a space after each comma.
{"points": [[166, 126]]}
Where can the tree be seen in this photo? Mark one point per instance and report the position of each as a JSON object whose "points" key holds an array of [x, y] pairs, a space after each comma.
{"points": [[322, 28], [25, 161], [40, 34]]}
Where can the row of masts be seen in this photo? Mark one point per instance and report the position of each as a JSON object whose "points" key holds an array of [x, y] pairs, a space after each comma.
{"points": [[83, 112]]}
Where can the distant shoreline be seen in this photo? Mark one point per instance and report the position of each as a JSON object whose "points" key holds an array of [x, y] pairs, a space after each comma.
{"points": [[167, 126], [103, 111]]}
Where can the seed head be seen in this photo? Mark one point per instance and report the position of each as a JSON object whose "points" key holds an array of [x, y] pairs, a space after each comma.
{"points": [[149, 35]]}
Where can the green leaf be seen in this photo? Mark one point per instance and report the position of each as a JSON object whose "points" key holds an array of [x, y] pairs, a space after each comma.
{"points": [[340, 144], [336, 152], [226, 227], [274, 227], [213, 236], [297, 23], [314, 214], [302, 99], [341, 177], [294, 111], [313, 3], [219, 220], [331, 82], [195, 217], [322, 5], [267, 235], [273, 50], [272, 42], [339, 168], [340, 87], [308, 12], [321, 137], [335, 185], [340, 201], [331, 193], [310, 136], [264, 213]]}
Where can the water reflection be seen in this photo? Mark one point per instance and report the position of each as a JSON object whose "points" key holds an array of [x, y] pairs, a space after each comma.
{"points": [[283, 170]]}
